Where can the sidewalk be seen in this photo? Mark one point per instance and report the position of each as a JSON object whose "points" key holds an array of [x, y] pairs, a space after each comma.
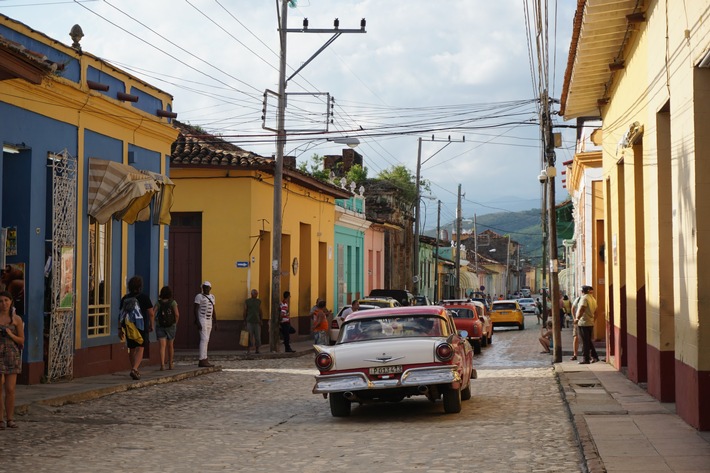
{"points": [[622, 428]]}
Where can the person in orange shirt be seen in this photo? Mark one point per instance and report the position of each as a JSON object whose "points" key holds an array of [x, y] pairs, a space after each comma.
{"points": [[320, 324]]}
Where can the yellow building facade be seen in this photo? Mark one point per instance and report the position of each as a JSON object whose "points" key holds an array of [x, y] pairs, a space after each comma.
{"points": [[221, 232], [644, 69]]}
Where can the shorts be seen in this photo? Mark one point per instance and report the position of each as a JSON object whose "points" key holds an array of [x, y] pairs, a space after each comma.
{"points": [[166, 332]]}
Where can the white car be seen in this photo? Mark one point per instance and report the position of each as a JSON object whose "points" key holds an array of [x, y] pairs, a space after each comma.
{"points": [[386, 355], [527, 304], [338, 320]]}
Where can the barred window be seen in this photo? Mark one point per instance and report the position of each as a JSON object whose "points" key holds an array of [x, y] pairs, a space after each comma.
{"points": [[99, 315]]}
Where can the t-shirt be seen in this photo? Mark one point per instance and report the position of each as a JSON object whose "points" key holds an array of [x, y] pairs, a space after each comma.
{"points": [[323, 324], [588, 305], [285, 318], [206, 303], [253, 312]]}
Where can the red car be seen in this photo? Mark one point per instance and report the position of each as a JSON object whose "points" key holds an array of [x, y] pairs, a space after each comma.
{"points": [[465, 314]]}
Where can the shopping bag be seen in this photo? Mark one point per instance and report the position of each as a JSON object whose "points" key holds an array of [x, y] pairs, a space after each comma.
{"points": [[244, 338]]}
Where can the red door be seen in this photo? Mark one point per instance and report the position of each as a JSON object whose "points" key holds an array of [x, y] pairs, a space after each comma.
{"points": [[185, 268]]}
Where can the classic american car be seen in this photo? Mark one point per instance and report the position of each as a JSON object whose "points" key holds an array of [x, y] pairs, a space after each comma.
{"points": [[393, 354], [466, 317]]}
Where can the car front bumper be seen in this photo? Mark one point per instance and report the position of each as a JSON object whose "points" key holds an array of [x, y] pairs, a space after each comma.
{"points": [[413, 377]]}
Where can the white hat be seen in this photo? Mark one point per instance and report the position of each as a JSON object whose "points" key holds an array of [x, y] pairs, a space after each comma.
{"points": [[207, 283]]}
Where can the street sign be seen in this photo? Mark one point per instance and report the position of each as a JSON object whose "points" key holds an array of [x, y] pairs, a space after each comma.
{"points": [[242, 264]]}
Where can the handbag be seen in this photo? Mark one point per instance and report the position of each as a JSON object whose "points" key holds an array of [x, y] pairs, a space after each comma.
{"points": [[244, 338]]}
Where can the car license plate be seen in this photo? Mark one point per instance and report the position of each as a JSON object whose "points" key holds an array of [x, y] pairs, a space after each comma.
{"points": [[386, 369]]}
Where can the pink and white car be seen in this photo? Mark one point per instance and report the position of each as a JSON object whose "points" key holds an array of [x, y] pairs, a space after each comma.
{"points": [[393, 354]]}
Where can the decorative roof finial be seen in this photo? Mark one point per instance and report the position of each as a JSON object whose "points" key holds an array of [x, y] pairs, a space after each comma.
{"points": [[76, 34]]}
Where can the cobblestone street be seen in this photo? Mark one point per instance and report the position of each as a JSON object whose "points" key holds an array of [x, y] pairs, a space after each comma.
{"points": [[260, 416]]}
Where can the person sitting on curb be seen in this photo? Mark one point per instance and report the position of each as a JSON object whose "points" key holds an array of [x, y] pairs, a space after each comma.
{"points": [[546, 337]]}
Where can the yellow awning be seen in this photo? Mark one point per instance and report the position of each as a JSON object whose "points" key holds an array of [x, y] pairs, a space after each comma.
{"points": [[121, 191]]}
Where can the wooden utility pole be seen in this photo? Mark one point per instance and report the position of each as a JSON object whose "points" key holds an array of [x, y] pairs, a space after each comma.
{"points": [[458, 246]]}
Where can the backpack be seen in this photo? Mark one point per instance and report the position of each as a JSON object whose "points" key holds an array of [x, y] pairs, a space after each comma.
{"points": [[131, 312], [166, 316]]}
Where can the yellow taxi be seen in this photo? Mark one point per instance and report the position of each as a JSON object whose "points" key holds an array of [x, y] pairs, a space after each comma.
{"points": [[507, 313]]}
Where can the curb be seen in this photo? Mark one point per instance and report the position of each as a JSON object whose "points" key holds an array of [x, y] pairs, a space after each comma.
{"points": [[591, 461], [241, 357]]}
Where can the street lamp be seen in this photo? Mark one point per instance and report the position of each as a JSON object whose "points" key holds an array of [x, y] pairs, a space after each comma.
{"points": [[349, 141]]}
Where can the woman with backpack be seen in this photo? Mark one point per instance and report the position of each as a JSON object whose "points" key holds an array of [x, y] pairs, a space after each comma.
{"points": [[167, 315]]}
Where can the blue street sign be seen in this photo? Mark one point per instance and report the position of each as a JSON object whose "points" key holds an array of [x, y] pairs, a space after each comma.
{"points": [[242, 264]]}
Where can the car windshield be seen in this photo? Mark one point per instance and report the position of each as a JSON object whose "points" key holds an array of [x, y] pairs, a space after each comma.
{"points": [[504, 306], [461, 313], [392, 327]]}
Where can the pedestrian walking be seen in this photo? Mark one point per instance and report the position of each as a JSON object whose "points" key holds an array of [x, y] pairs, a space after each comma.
{"points": [[286, 328], [565, 308], [12, 339], [538, 312], [166, 316], [586, 315], [137, 309], [206, 320], [253, 317], [320, 324]]}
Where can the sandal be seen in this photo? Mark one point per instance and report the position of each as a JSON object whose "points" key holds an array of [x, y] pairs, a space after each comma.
{"points": [[135, 374], [573, 358], [11, 424], [170, 366]]}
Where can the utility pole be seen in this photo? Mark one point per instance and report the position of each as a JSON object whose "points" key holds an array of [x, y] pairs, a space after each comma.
{"points": [[436, 252], [281, 136], [507, 268], [278, 182], [417, 215], [458, 246], [550, 171]]}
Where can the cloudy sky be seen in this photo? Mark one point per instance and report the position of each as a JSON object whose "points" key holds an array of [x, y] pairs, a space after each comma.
{"points": [[424, 67]]}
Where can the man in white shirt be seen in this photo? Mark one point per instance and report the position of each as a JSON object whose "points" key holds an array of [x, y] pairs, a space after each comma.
{"points": [[205, 319]]}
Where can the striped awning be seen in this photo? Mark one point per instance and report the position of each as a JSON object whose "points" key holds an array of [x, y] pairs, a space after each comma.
{"points": [[123, 192], [469, 281]]}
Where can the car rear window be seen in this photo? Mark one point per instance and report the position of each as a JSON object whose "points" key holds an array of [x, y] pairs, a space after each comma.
{"points": [[461, 313], [392, 327], [504, 306]]}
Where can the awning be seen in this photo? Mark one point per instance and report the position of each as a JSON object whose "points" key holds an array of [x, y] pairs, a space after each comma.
{"points": [[123, 192], [468, 281]]}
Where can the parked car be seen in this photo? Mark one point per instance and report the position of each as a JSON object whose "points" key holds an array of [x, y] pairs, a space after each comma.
{"points": [[465, 316], [390, 354], [487, 337], [381, 302], [527, 304], [422, 300], [507, 313], [338, 320], [404, 297]]}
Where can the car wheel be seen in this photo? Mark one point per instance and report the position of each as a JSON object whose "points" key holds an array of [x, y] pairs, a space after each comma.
{"points": [[466, 393], [339, 406], [490, 338], [476, 347], [484, 340], [521, 326], [452, 401]]}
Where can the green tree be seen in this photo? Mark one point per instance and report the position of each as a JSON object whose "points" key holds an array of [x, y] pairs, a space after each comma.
{"points": [[403, 179], [314, 167], [357, 173]]}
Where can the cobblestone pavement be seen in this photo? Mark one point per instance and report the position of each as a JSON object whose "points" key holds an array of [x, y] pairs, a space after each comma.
{"points": [[260, 416]]}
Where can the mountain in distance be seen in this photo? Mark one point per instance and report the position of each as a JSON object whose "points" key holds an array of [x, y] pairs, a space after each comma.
{"points": [[524, 227]]}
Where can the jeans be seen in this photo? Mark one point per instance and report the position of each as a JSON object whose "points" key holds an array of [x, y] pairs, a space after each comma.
{"points": [[206, 325], [588, 350], [286, 334]]}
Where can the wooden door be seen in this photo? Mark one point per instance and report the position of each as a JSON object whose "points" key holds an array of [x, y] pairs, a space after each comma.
{"points": [[185, 273]]}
